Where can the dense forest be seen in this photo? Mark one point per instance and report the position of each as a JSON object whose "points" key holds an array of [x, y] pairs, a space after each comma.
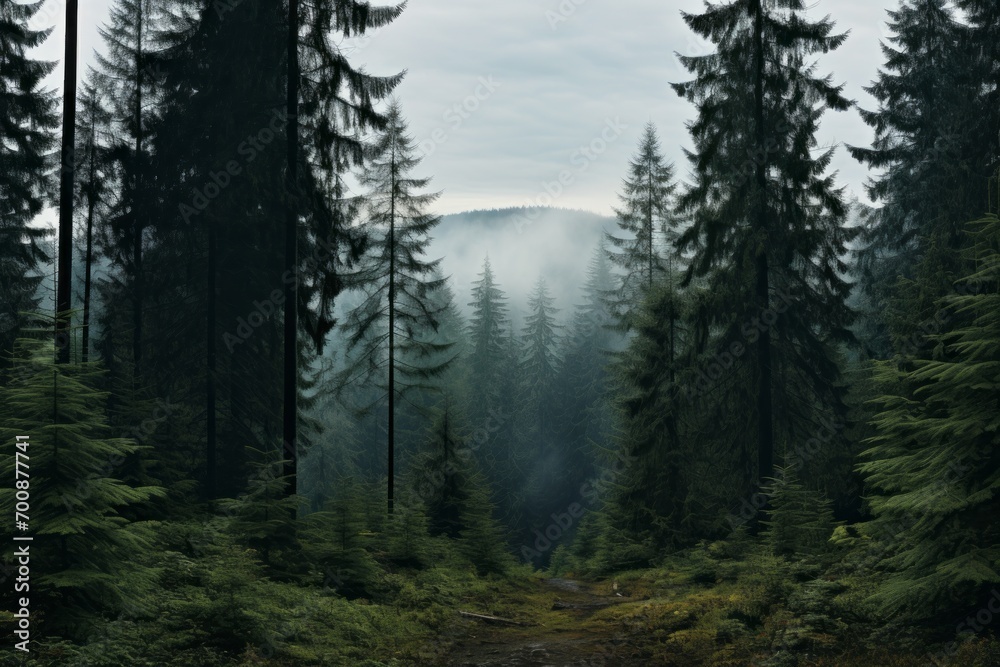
{"points": [[249, 417]]}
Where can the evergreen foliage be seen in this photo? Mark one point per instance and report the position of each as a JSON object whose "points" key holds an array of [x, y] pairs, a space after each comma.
{"points": [[930, 463], [27, 137], [646, 252], [767, 232], [85, 551], [800, 520]]}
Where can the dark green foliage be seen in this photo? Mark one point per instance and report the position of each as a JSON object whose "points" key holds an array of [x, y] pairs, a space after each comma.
{"points": [[85, 554], [27, 136], [482, 537], [929, 146], [931, 464], [335, 540], [799, 520], [442, 477], [648, 497], [259, 517], [408, 531], [767, 224], [646, 253]]}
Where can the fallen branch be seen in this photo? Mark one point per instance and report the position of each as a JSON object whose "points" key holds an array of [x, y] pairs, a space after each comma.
{"points": [[489, 619]]}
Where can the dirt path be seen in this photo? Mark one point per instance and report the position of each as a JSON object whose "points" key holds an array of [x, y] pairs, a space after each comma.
{"points": [[558, 634]]}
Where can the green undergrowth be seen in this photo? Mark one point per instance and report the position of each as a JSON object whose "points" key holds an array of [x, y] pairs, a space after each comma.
{"points": [[220, 605], [716, 605], [720, 606]]}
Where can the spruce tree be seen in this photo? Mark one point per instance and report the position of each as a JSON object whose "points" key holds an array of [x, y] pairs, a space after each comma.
{"points": [[85, 554], [766, 230], [540, 363], [982, 74], [647, 502], [259, 517], [27, 135], [130, 81], [94, 184], [487, 327], [391, 331], [441, 477], [800, 520], [931, 465], [548, 459], [646, 219], [482, 538], [925, 142], [218, 147], [587, 348]]}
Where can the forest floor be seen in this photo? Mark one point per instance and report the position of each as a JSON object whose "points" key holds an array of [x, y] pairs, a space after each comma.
{"points": [[699, 611], [559, 630]]}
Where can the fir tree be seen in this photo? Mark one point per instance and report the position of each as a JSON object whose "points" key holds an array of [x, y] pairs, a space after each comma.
{"points": [[259, 517], [27, 136], [931, 463], [540, 363], [486, 331], [800, 520], [392, 329], [442, 477], [924, 134], [482, 538], [646, 505], [86, 552], [771, 224], [646, 219], [130, 83], [334, 543]]}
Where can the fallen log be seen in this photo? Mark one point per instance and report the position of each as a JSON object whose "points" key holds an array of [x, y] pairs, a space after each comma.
{"points": [[489, 619]]}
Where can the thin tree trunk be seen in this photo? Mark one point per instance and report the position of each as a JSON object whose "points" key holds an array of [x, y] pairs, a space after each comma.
{"points": [[649, 223], [290, 361], [210, 374], [391, 463], [64, 286], [88, 259], [765, 432], [137, 214]]}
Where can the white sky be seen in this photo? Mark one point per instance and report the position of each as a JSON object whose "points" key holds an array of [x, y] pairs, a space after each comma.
{"points": [[562, 69]]}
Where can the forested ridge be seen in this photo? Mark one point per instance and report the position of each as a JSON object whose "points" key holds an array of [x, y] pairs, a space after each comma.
{"points": [[249, 417]]}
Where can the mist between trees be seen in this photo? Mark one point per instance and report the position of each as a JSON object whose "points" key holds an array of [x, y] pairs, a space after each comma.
{"points": [[285, 413]]}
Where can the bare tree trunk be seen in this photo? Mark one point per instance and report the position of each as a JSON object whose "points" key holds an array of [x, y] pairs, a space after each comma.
{"points": [[67, 173], [765, 426], [290, 361]]}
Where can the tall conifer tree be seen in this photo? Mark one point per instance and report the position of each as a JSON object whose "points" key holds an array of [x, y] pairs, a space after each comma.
{"points": [[766, 220]]}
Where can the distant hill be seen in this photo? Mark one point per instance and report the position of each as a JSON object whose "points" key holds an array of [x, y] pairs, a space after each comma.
{"points": [[522, 244]]}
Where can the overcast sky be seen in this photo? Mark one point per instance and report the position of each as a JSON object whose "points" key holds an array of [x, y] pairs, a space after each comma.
{"points": [[504, 96]]}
